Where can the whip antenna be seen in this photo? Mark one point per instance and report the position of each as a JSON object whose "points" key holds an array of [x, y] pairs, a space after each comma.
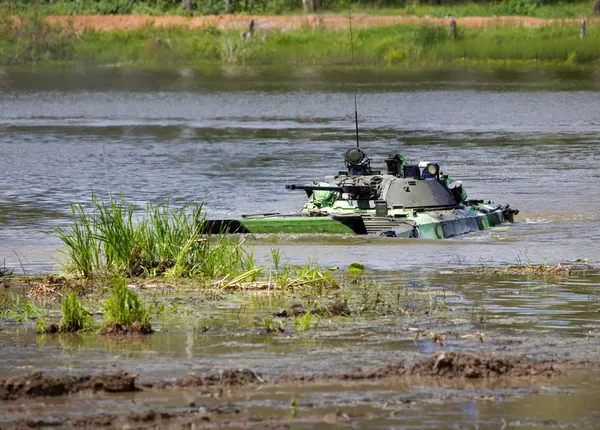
{"points": [[353, 78]]}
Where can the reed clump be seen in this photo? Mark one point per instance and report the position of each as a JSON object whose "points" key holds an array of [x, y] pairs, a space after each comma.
{"points": [[113, 238]]}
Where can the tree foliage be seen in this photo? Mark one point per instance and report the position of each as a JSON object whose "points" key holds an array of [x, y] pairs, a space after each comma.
{"points": [[204, 7]]}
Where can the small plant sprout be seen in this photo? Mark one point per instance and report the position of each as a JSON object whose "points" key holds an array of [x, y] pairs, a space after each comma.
{"points": [[273, 325], [276, 257], [306, 322], [74, 316], [125, 308]]}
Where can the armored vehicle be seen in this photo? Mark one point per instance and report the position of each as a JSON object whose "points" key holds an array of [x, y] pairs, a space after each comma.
{"points": [[407, 200]]}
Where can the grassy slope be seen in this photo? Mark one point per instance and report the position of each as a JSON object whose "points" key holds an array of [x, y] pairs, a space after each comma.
{"points": [[409, 46], [397, 45]]}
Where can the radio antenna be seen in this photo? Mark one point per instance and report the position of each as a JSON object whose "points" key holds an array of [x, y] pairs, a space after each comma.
{"points": [[353, 77]]}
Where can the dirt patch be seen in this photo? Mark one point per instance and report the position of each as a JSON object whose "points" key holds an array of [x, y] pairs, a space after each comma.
{"points": [[448, 365], [269, 23], [225, 378], [337, 308], [35, 384], [137, 328], [214, 417], [38, 384], [480, 365], [119, 382]]}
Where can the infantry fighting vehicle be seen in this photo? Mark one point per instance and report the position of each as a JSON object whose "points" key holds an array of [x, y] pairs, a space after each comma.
{"points": [[407, 200]]}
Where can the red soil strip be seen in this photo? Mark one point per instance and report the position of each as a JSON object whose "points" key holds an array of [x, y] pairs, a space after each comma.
{"points": [[266, 23]]}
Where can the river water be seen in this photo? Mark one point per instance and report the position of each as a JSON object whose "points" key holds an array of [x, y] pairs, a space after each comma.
{"points": [[235, 137]]}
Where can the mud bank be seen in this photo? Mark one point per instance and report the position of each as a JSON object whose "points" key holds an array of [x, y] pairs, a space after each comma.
{"points": [[450, 365], [441, 366], [38, 384]]}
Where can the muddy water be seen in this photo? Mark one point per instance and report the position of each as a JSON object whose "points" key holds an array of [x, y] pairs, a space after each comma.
{"points": [[237, 136], [553, 319]]}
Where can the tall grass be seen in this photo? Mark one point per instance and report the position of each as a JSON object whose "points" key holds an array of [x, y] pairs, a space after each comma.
{"points": [[401, 45], [395, 45], [32, 39], [111, 238]]}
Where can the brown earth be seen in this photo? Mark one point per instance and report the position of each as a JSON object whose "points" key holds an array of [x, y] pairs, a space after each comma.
{"points": [[37, 384], [268, 23], [446, 365], [136, 328]]}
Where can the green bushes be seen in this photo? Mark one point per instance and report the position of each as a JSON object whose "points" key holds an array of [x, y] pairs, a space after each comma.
{"points": [[542, 8], [31, 38]]}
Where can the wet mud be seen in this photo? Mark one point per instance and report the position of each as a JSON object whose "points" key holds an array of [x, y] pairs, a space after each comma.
{"points": [[532, 270], [38, 384], [442, 365], [337, 308], [385, 356], [116, 329], [448, 365]]}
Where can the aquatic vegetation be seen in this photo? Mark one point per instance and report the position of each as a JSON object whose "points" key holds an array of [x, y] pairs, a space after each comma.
{"points": [[11, 307], [272, 325], [4, 271], [113, 238], [356, 270], [306, 321], [312, 279], [124, 307], [74, 316]]}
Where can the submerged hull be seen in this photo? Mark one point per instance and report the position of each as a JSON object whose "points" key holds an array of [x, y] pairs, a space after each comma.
{"points": [[431, 224]]}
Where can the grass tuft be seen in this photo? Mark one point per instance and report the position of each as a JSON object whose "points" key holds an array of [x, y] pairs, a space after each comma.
{"points": [[124, 306], [74, 316], [113, 239]]}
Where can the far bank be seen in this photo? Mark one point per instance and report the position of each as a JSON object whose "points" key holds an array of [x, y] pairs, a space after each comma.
{"points": [[415, 43]]}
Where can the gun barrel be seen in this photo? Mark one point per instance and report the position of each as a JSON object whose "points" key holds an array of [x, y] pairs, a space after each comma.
{"points": [[313, 188], [351, 189]]}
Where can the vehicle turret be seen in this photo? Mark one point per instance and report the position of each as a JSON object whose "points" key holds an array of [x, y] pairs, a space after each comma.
{"points": [[402, 186]]}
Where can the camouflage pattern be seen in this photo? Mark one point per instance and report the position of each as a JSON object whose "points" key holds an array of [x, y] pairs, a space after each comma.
{"points": [[411, 201]]}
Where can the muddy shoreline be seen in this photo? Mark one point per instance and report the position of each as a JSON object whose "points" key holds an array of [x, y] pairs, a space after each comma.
{"points": [[371, 354], [453, 367]]}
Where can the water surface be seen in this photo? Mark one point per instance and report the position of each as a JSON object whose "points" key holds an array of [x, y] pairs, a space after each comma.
{"points": [[235, 137]]}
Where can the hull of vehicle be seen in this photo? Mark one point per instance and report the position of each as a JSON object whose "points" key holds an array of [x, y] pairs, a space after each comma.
{"points": [[411, 224]]}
